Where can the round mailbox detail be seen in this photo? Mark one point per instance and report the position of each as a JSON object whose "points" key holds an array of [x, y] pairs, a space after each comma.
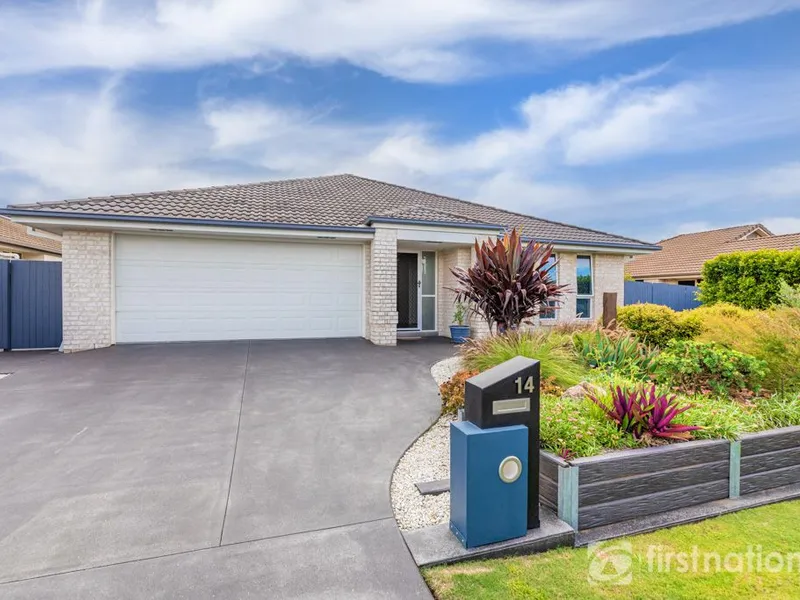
{"points": [[510, 469]]}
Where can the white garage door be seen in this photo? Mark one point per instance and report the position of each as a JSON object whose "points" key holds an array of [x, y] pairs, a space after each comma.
{"points": [[171, 289]]}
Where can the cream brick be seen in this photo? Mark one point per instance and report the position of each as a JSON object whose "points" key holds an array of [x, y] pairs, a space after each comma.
{"points": [[382, 299], [462, 257], [87, 290]]}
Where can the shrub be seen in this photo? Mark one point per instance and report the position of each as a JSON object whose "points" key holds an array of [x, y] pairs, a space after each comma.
{"points": [[788, 295], [646, 414], [615, 352], [508, 283], [553, 351], [656, 324], [452, 392], [703, 367], [772, 336], [749, 279]]}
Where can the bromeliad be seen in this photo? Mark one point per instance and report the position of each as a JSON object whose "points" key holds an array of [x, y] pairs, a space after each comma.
{"points": [[646, 414]]}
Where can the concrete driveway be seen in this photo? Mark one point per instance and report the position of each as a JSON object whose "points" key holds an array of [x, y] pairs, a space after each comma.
{"points": [[218, 470]]}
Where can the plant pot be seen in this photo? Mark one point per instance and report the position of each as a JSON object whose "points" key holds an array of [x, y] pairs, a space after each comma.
{"points": [[459, 333]]}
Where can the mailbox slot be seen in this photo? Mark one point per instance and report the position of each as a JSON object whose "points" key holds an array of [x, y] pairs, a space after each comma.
{"points": [[514, 405]]}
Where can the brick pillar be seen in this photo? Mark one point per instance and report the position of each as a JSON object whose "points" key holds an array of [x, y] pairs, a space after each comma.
{"points": [[382, 318], [87, 293]]}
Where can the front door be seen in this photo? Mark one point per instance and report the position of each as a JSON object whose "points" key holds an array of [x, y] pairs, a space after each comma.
{"points": [[408, 290]]}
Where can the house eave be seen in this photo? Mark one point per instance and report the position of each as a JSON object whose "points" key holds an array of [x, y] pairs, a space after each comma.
{"points": [[613, 247], [59, 221]]}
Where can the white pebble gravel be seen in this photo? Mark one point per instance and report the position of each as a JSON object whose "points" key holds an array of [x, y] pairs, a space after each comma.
{"points": [[427, 460]]}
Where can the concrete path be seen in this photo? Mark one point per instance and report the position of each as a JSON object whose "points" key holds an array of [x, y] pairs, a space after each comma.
{"points": [[218, 470]]}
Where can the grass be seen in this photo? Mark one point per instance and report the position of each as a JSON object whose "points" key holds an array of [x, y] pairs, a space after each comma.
{"points": [[555, 351], [563, 574]]}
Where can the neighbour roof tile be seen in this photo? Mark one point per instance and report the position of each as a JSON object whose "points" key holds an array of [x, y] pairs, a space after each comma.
{"points": [[16, 235], [335, 200], [685, 254]]}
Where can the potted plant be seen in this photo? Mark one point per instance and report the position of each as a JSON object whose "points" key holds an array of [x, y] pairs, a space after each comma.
{"points": [[459, 330]]}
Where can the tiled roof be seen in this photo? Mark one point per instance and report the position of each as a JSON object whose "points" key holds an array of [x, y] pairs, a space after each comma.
{"points": [[335, 200], [16, 235], [685, 254]]}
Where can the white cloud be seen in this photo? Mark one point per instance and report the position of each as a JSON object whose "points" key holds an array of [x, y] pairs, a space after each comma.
{"points": [[56, 144], [414, 40]]}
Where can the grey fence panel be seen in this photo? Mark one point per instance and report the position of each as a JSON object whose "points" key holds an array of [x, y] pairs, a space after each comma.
{"points": [[677, 297], [5, 305], [32, 316]]}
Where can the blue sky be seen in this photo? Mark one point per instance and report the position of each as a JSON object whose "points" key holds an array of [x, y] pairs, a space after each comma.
{"points": [[640, 117]]}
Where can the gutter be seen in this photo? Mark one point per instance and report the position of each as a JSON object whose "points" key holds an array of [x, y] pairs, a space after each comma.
{"points": [[650, 247], [15, 212]]}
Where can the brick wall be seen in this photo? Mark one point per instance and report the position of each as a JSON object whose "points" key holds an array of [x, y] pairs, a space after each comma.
{"points": [[382, 316], [87, 290], [453, 257], [609, 276]]}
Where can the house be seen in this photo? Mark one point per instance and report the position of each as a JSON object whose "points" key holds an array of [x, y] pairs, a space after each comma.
{"points": [[17, 242], [682, 257], [334, 256]]}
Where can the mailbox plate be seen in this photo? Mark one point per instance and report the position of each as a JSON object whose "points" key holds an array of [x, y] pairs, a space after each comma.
{"points": [[511, 406]]}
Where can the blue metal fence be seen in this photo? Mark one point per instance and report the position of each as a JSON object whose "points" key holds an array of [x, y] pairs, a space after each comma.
{"points": [[677, 297], [30, 304]]}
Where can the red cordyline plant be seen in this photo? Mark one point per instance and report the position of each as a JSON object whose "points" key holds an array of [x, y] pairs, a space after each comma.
{"points": [[508, 283], [644, 413]]}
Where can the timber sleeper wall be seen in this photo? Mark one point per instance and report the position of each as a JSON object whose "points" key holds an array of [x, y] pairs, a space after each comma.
{"points": [[769, 459], [619, 486]]}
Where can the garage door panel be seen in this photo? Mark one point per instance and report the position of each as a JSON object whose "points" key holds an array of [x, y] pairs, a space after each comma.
{"points": [[183, 289]]}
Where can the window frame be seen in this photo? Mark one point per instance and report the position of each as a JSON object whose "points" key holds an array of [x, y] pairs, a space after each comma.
{"points": [[578, 296], [552, 308]]}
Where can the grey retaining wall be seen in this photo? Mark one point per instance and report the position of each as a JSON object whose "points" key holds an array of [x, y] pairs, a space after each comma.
{"points": [[619, 486], [770, 459]]}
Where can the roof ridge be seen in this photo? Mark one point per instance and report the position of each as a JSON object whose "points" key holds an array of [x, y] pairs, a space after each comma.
{"points": [[410, 207], [752, 226], [510, 212]]}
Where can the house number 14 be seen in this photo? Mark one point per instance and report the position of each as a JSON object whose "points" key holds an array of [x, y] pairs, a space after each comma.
{"points": [[527, 386]]}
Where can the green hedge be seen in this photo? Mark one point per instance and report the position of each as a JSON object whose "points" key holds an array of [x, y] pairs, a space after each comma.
{"points": [[749, 279]]}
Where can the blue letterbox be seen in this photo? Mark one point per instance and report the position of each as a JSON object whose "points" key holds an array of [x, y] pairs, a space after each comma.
{"points": [[488, 483]]}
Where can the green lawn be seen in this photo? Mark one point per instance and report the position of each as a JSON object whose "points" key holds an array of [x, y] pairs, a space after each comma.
{"points": [[565, 573]]}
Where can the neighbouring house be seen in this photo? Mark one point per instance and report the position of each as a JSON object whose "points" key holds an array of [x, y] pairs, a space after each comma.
{"points": [[681, 258], [19, 241], [334, 256]]}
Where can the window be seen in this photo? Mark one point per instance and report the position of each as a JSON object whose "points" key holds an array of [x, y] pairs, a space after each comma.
{"points": [[583, 302], [548, 313]]}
